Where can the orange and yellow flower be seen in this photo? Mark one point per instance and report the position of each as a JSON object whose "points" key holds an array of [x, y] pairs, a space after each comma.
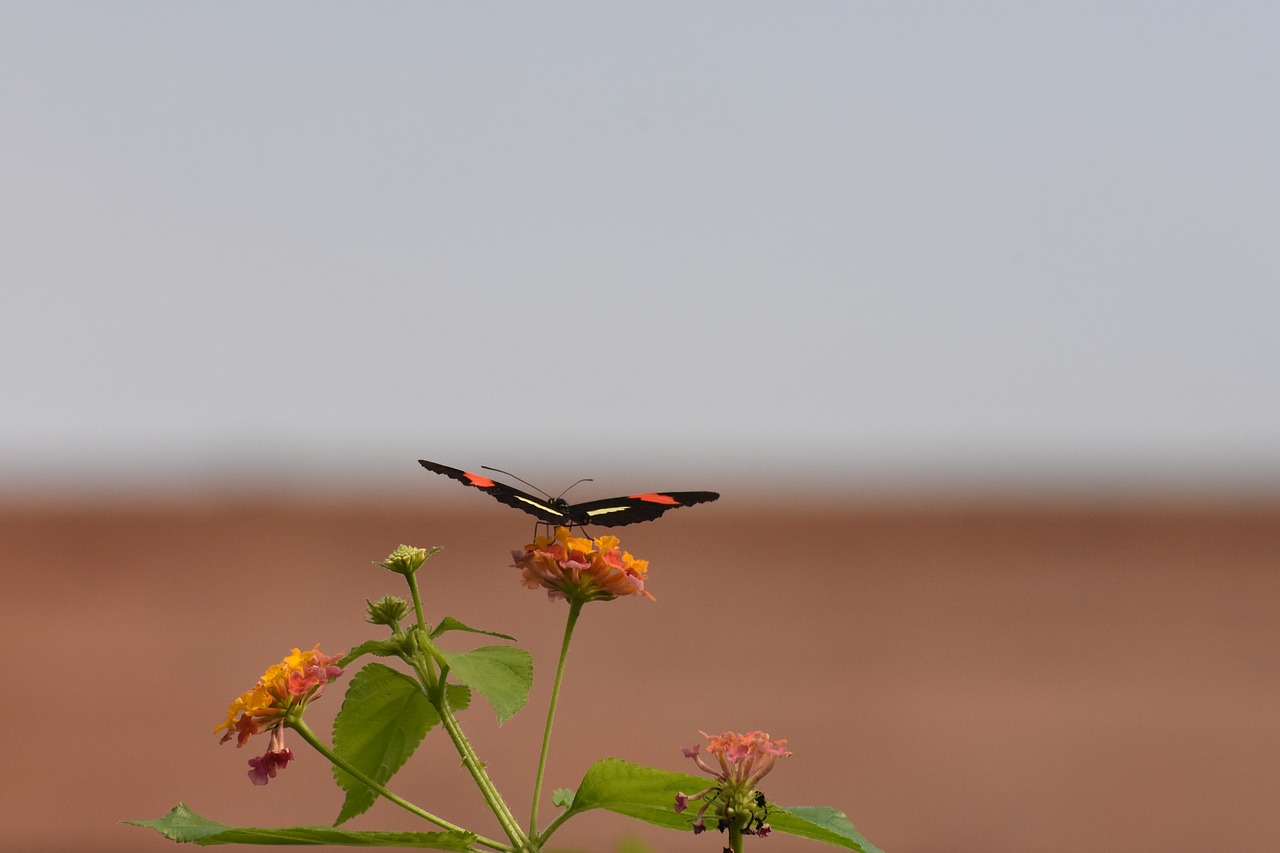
{"points": [[581, 569], [287, 685]]}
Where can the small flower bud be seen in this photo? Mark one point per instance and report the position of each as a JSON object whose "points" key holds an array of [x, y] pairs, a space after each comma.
{"points": [[406, 560], [387, 610]]}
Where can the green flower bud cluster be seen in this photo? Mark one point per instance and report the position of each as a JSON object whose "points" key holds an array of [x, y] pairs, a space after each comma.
{"points": [[388, 611], [406, 559]]}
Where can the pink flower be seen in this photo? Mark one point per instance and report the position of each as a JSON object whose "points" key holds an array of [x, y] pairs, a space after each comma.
{"points": [[741, 761], [264, 769]]}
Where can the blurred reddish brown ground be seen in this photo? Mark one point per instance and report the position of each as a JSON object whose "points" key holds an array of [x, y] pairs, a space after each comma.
{"points": [[956, 678]]}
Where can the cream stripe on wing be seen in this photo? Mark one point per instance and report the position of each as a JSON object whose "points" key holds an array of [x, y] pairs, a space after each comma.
{"points": [[591, 512]]}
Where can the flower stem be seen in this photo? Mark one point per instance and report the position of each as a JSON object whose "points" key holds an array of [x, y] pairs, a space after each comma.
{"points": [[575, 607], [552, 827], [310, 737], [417, 599], [735, 837], [476, 768]]}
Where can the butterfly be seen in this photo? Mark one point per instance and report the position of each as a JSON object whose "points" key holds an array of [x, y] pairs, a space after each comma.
{"points": [[612, 512]]}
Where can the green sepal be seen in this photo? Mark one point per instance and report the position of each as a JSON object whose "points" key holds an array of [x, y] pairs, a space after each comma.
{"points": [[183, 825], [448, 623], [383, 718], [649, 794], [501, 674]]}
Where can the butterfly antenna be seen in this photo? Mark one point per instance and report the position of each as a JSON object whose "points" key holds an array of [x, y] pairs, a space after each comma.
{"points": [[571, 485], [526, 482]]}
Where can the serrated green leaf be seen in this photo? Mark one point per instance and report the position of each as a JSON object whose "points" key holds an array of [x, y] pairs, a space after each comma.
{"points": [[383, 719], [821, 823], [451, 624], [380, 648], [183, 825], [501, 674], [649, 794]]}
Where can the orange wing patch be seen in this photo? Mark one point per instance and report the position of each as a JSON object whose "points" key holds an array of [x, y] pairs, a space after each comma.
{"points": [[656, 499], [478, 481]]}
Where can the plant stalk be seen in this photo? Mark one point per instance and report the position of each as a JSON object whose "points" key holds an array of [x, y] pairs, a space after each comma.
{"points": [[575, 607], [305, 732], [476, 768]]}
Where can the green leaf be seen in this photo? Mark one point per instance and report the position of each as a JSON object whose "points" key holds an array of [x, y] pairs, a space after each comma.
{"points": [[451, 624], [821, 823], [649, 794], [501, 674], [381, 648], [182, 824], [383, 719], [644, 793], [562, 797]]}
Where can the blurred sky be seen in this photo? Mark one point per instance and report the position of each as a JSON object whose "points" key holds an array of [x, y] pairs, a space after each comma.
{"points": [[1027, 244]]}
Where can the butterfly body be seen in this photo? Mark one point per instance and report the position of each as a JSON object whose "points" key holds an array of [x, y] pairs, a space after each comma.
{"points": [[611, 512]]}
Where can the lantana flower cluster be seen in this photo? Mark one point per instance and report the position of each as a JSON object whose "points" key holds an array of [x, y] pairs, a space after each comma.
{"points": [[581, 569], [742, 760], [284, 687]]}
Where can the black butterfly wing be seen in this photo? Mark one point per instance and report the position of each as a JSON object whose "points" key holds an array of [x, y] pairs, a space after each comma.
{"points": [[543, 509], [616, 512]]}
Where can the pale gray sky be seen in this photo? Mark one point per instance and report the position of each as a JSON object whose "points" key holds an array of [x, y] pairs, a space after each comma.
{"points": [[951, 242]]}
